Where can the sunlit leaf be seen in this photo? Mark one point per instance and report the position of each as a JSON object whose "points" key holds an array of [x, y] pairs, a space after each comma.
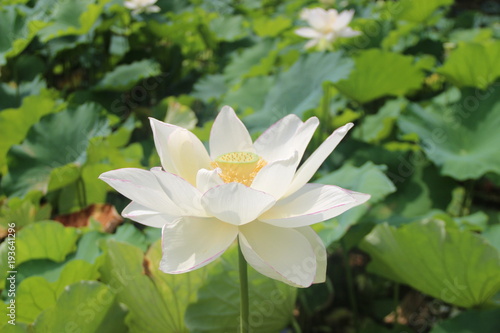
{"points": [[454, 265], [58, 140], [393, 75], [36, 294], [14, 127], [88, 306], [473, 64], [41, 240], [270, 27], [418, 10]]}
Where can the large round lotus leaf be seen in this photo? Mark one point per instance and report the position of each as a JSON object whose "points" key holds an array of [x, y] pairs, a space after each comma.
{"points": [[472, 321], [300, 88], [140, 285], [460, 138], [473, 65], [54, 150], [86, 307], [454, 265], [417, 10], [380, 73]]}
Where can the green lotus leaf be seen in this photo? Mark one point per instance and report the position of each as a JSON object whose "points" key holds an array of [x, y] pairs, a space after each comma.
{"points": [[300, 88], [218, 306], [472, 321], [458, 137], [124, 77], [40, 240], [473, 65], [229, 28], [53, 150], [86, 306], [377, 127], [418, 10], [165, 296], [36, 294], [14, 128], [72, 17], [456, 266], [380, 73]]}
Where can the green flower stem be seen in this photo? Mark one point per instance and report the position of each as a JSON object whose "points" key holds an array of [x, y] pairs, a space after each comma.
{"points": [[244, 308], [350, 286]]}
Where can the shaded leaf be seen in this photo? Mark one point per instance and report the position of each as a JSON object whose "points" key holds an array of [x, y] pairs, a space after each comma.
{"points": [[289, 95], [472, 321], [124, 77], [377, 127], [459, 137], [152, 290], [217, 309]]}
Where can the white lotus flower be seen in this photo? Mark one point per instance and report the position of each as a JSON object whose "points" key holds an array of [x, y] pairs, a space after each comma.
{"points": [[326, 26], [139, 6], [248, 190]]}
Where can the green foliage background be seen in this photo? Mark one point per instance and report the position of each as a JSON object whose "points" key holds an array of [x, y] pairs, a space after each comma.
{"points": [[79, 78]]}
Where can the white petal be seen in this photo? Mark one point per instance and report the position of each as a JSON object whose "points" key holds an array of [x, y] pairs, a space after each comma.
{"points": [[236, 203], [153, 9], [275, 178], [311, 43], [308, 33], [130, 5], [181, 152], [206, 179], [188, 154], [348, 32], [343, 19], [318, 18], [284, 137], [312, 164], [146, 216], [279, 253], [229, 135], [183, 194], [311, 204], [142, 187], [192, 242], [332, 15], [319, 250]]}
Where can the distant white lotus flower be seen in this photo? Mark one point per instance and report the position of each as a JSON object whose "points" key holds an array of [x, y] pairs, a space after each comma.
{"points": [[140, 6], [248, 190], [326, 26]]}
